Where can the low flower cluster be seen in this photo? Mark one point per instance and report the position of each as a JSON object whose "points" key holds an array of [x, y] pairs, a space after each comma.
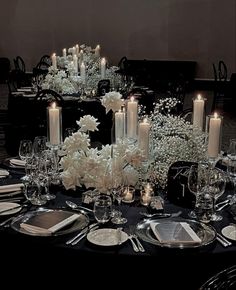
{"points": [[173, 139], [102, 169]]}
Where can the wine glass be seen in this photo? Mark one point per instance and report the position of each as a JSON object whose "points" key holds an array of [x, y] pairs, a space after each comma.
{"points": [[39, 145], [102, 208], [197, 184], [25, 154], [216, 187], [47, 170], [231, 166], [25, 149]]}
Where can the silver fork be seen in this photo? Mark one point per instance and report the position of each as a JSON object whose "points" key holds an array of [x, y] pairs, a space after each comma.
{"points": [[132, 232], [131, 238]]}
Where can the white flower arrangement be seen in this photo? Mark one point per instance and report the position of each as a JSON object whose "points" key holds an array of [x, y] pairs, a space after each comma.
{"points": [[173, 139], [70, 82], [112, 101], [94, 168]]}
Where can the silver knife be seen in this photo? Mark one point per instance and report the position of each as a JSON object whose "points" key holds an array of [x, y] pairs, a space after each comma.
{"points": [[84, 231], [84, 235]]}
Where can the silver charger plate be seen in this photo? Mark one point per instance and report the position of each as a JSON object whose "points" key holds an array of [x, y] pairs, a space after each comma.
{"points": [[206, 233], [81, 222]]}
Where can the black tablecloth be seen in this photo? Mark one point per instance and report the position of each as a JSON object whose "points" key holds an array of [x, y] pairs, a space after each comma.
{"points": [[163, 264]]}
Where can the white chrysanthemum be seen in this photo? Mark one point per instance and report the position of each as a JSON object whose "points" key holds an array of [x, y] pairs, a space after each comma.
{"points": [[88, 123], [70, 179], [134, 156], [78, 141], [112, 101]]}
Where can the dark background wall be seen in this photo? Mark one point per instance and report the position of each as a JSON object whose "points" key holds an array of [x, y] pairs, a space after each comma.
{"points": [[200, 30]]}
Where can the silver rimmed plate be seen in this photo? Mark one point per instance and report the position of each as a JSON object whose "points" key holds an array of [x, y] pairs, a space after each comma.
{"points": [[81, 222], [107, 237], [206, 233], [229, 232]]}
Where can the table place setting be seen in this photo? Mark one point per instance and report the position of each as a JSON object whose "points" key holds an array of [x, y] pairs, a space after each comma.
{"points": [[8, 208], [17, 162], [4, 173]]}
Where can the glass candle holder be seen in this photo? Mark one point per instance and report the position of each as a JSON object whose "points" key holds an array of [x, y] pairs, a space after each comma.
{"points": [[146, 197], [214, 129], [128, 194], [54, 125]]}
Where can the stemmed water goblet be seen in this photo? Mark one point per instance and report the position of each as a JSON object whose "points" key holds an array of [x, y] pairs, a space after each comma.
{"points": [[231, 166], [197, 184], [216, 187], [47, 169], [25, 154], [39, 145], [102, 208]]}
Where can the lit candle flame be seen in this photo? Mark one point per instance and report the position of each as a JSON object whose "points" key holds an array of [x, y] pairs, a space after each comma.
{"points": [[132, 99], [54, 105], [199, 97], [215, 115]]}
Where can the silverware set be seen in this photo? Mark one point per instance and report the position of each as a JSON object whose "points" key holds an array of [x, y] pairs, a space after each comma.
{"points": [[77, 238], [135, 242], [222, 240]]}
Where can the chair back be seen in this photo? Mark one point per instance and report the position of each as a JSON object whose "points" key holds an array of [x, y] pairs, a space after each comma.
{"points": [[225, 279], [4, 69], [19, 63]]}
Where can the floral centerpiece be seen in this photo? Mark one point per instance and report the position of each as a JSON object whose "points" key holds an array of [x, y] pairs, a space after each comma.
{"points": [[173, 139], [65, 79], [102, 169]]}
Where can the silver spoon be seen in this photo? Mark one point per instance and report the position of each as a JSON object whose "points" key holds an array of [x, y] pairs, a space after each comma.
{"points": [[82, 209], [161, 215]]}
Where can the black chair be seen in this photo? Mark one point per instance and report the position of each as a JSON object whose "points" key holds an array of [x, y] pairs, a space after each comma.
{"points": [[21, 68], [19, 63], [220, 74], [46, 59], [224, 280], [16, 79], [4, 69]]}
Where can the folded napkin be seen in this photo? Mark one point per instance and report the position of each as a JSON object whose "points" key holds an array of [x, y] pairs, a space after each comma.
{"points": [[3, 173], [174, 233], [29, 95], [49, 222], [11, 187], [17, 162], [24, 90]]}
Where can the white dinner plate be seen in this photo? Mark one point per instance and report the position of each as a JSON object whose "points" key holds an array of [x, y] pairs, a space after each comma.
{"points": [[9, 205], [229, 232], [107, 237]]}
